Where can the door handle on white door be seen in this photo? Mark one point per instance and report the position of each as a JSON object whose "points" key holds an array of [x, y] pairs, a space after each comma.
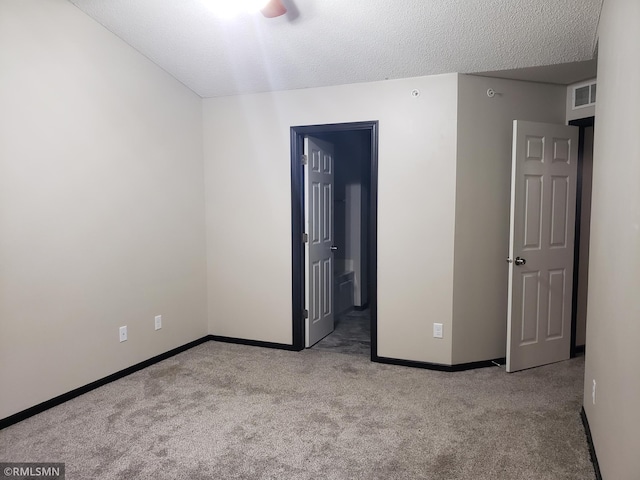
{"points": [[520, 261]]}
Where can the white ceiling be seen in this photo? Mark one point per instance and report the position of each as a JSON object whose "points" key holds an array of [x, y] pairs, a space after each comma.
{"points": [[560, 73], [332, 42]]}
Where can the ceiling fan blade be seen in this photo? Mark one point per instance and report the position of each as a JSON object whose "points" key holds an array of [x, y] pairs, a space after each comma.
{"points": [[273, 9]]}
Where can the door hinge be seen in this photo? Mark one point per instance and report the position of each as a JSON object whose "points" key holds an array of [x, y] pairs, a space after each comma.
{"points": [[305, 237], [305, 313], [304, 159]]}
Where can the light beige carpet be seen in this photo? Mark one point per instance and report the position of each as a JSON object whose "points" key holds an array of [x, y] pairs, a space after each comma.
{"points": [[222, 411]]}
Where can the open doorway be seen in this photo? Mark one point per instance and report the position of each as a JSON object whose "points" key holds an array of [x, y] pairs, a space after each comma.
{"points": [[352, 282], [582, 233], [352, 330]]}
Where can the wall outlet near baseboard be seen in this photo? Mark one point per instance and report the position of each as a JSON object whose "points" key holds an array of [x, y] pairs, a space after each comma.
{"points": [[123, 334], [437, 330], [158, 322], [593, 392]]}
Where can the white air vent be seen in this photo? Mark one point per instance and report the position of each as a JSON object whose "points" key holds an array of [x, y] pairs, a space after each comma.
{"points": [[584, 95]]}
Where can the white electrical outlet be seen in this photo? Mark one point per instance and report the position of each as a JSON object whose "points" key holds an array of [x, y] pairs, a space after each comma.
{"points": [[158, 322], [437, 330], [123, 334], [593, 392]]}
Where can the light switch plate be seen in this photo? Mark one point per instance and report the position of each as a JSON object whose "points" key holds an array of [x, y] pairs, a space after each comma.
{"points": [[437, 330]]}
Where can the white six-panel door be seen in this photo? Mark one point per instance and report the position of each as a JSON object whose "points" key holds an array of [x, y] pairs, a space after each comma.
{"points": [[319, 192], [543, 202]]}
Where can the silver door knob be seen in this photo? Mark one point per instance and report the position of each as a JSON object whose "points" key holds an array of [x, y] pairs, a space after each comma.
{"points": [[333, 248], [520, 261]]}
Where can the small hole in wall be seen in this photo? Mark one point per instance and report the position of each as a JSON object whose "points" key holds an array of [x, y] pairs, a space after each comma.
{"points": [[415, 92]]}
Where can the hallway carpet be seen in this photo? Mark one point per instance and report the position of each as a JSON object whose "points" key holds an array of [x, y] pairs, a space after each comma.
{"points": [[223, 411], [351, 334]]}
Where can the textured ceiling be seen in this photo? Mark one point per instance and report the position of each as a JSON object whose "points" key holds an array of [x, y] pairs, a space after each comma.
{"points": [[332, 42]]}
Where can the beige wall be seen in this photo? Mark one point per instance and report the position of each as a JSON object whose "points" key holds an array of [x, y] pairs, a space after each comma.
{"points": [[248, 183], [482, 205], [101, 204], [613, 310]]}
